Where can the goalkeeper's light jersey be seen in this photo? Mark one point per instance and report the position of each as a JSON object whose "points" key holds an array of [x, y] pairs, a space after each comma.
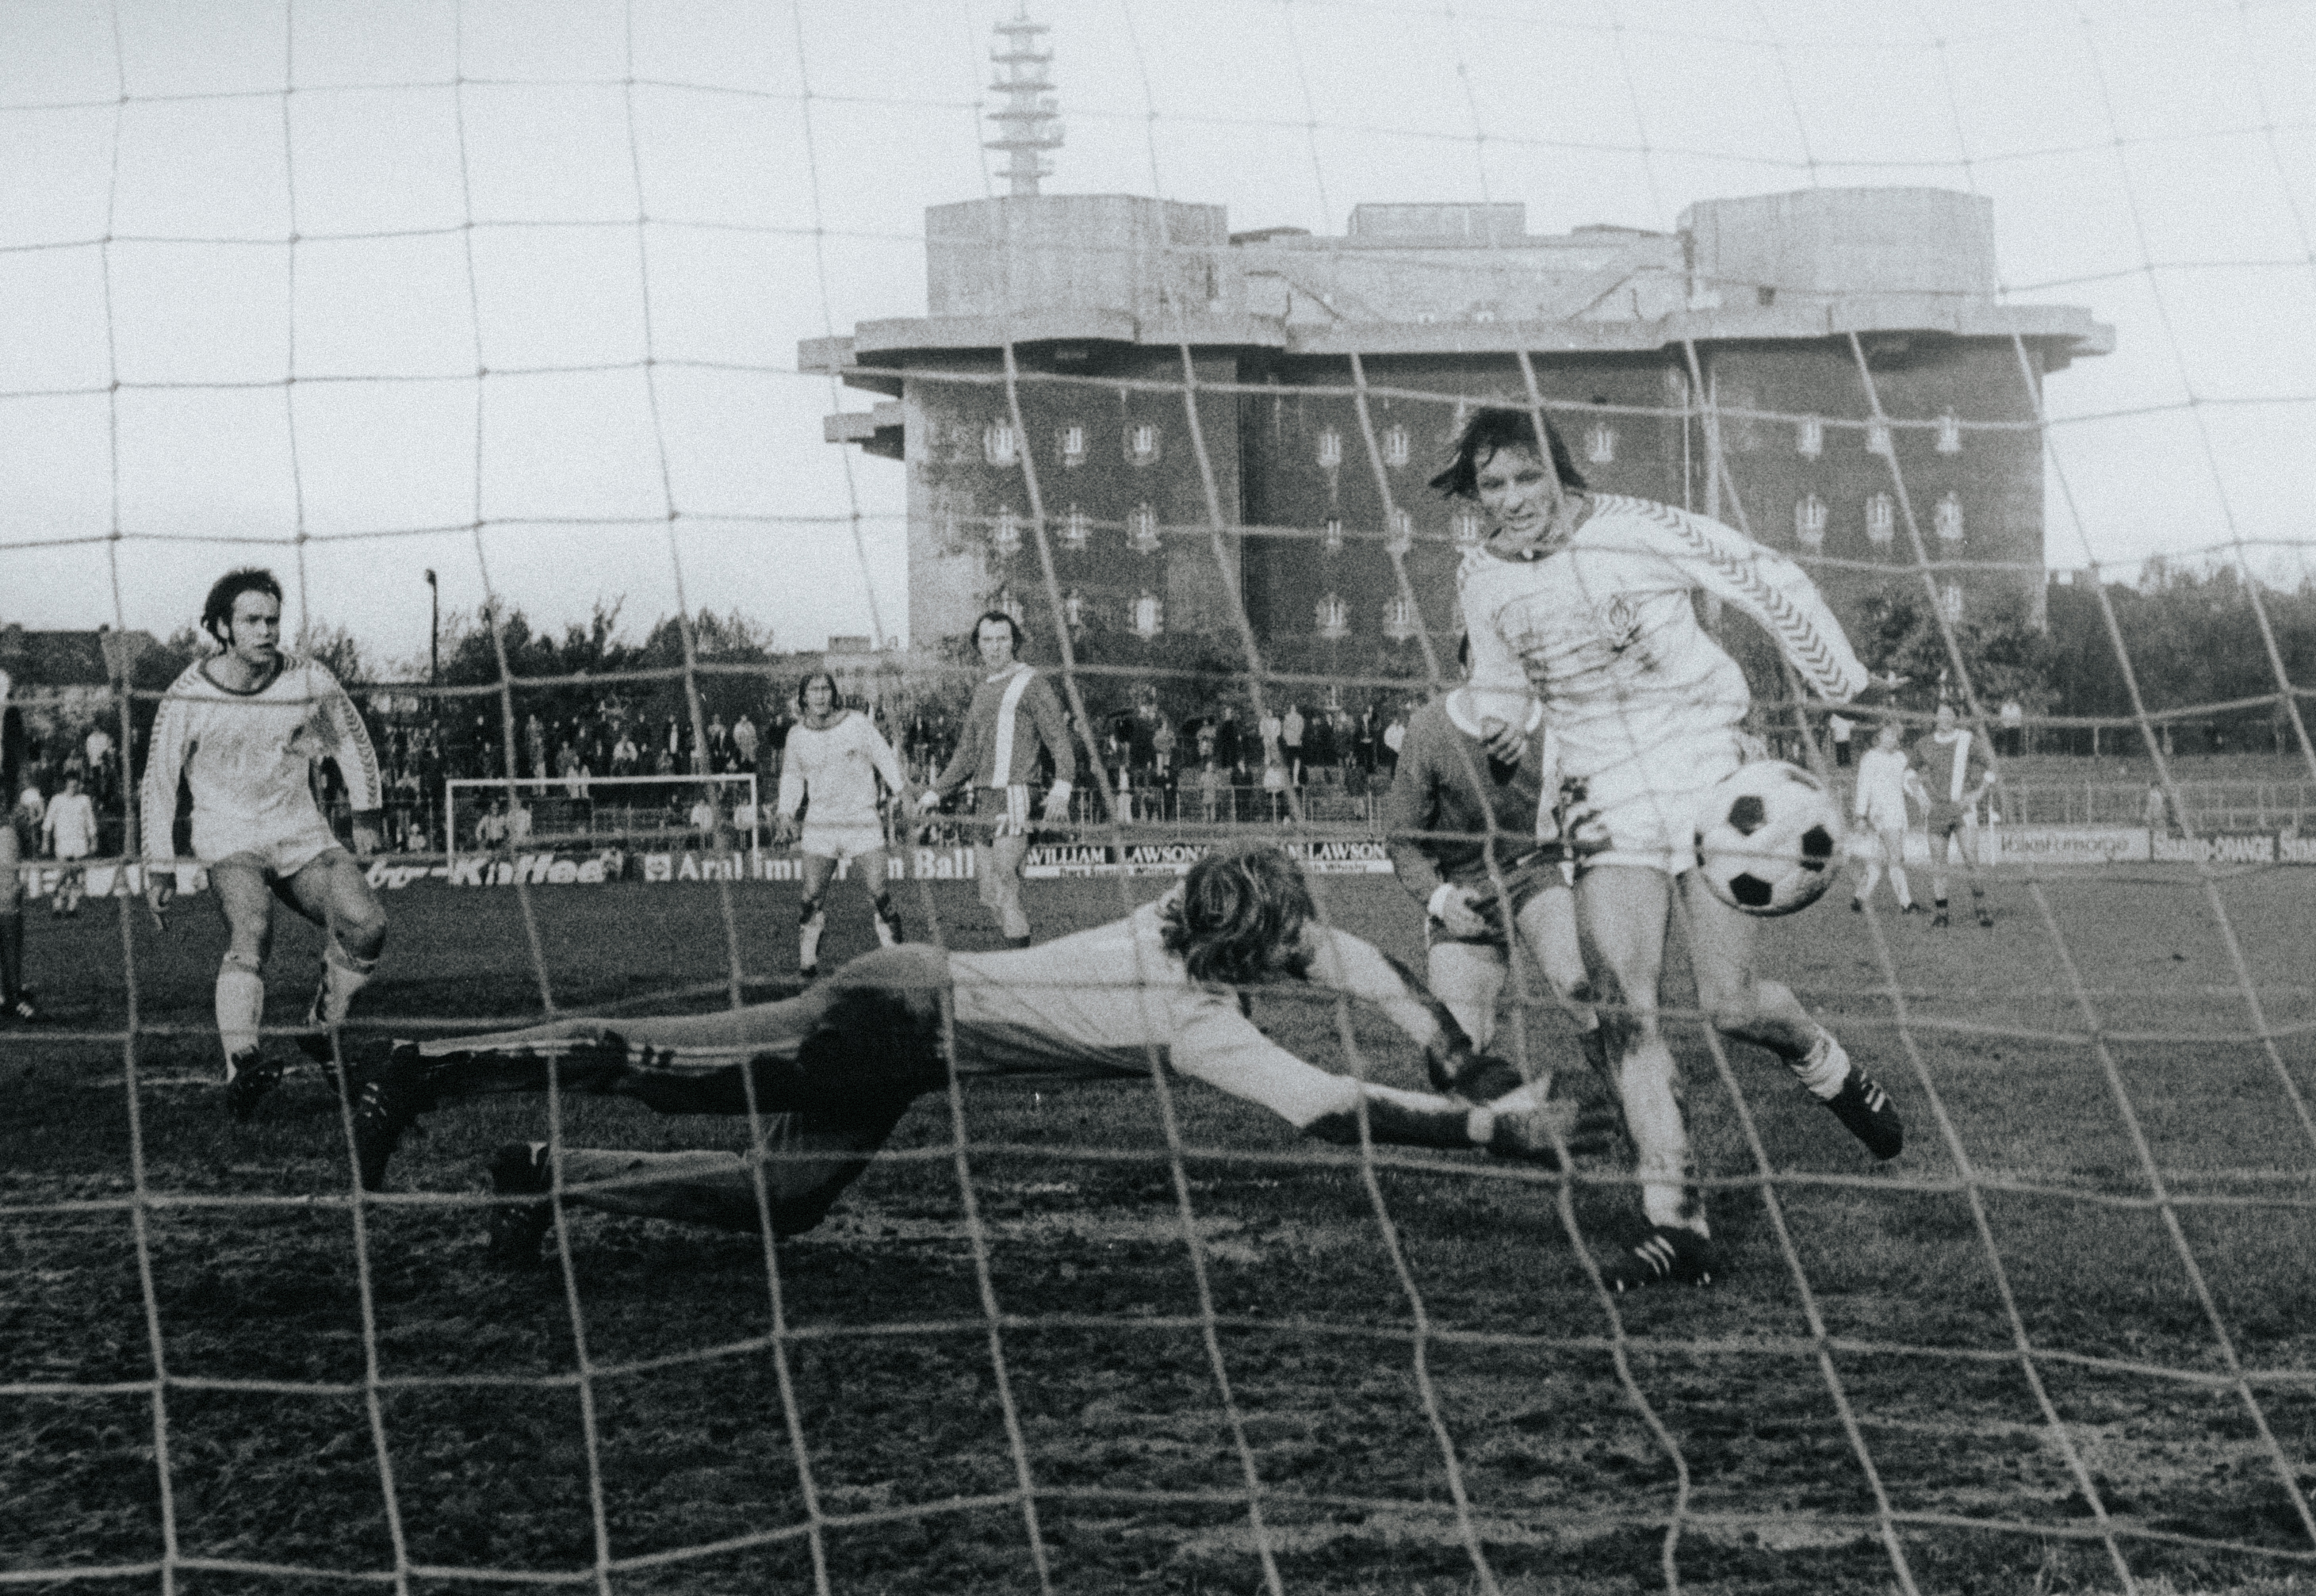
{"points": [[1604, 629], [249, 757], [836, 766], [1105, 1001]]}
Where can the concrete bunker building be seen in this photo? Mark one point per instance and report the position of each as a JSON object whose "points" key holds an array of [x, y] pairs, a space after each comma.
{"points": [[1724, 367]]}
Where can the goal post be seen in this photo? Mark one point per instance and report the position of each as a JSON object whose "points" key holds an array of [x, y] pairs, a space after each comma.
{"points": [[488, 815]]}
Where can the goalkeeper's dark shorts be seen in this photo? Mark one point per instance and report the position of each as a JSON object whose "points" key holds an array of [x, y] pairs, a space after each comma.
{"points": [[867, 1041], [1525, 879], [863, 1043]]}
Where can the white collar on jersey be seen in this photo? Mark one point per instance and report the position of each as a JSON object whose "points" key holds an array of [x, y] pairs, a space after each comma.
{"points": [[1011, 666], [1466, 718]]}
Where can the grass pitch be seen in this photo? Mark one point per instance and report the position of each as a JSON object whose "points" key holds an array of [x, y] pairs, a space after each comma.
{"points": [[1855, 1374]]}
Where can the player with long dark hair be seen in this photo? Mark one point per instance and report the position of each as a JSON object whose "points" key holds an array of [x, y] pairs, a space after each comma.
{"points": [[835, 1067], [829, 772], [243, 728], [1589, 599]]}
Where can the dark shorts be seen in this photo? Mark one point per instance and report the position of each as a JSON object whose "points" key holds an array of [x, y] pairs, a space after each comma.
{"points": [[1945, 818], [1525, 881], [864, 1044]]}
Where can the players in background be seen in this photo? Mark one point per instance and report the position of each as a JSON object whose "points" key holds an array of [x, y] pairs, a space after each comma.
{"points": [[1588, 597], [20, 839], [68, 828], [833, 1069], [1459, 819], [1959, 775], [1885, 782], [243, 728], [1012, 714], [835, 757]]}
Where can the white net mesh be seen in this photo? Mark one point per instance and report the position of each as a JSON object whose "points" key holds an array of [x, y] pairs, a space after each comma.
{"points": [[517, 294]]}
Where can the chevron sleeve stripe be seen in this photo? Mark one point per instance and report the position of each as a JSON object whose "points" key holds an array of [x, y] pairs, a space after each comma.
{"points": [[1771, 588]]}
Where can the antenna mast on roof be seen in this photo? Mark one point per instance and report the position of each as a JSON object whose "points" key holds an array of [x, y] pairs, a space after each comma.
{"points": [[1029, 122]]}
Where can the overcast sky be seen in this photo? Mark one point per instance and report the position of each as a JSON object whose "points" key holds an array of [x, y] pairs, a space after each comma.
{"points": [[2155, 162]]}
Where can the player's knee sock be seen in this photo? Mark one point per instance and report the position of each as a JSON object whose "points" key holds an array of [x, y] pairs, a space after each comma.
{"points": [[240, 1003], [1873, 875], [810, 923], [1898, 884], [888, 920], [342, 975], [1649, 1086], [12, 953], [1823, 1068]]}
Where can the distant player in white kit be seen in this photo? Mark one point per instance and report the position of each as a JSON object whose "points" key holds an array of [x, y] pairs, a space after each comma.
{"points": [[68, 827], [1886, 782], [20, 839], [244, 727], [835, 757], [1588, 598]]}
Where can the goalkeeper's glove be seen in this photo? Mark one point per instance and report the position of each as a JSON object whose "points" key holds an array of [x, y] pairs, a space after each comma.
{"points": [[1519, 1126]]}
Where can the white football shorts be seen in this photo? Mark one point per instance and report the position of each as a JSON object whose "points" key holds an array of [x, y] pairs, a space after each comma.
{"points": [[1649, 806], [279, 852], [841, 842]]}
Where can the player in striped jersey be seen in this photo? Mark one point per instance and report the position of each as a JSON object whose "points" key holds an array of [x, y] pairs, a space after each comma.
{"points": [[1589, 598], [1958, 776], [1013, 713], [833, 1069], [19, 840], [243, 728], [829, 771]]}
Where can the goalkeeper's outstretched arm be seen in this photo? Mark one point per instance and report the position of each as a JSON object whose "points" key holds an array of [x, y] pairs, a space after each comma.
{"points": [[1481, 1101]]}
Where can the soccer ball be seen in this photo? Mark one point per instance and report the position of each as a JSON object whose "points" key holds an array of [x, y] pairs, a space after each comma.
{"points": [[1769, 839]]}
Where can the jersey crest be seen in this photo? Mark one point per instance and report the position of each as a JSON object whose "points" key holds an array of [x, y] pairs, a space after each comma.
{"points": [[1619, 622]]}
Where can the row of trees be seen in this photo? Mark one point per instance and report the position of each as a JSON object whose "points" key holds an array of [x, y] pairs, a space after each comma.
{"points": [[2193, 636]]}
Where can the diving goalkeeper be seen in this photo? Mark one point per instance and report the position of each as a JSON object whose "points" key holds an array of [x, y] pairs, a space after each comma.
{"points": [[835, 1067]]}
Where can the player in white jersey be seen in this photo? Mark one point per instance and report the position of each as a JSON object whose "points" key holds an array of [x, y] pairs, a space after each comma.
{"points": [[20, 839], [1885, 783], [830, 770], [68, 827], [1959, 777], [243, 728], [1588, 597], [833, 1070]]}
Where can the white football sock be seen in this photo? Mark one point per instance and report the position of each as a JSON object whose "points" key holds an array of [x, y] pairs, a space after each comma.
{"points": [[1823, 1068], [240, 1005], [342, 975]]}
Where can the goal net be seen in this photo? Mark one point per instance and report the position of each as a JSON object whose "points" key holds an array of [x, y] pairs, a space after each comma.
{"points": [[601, 376]]}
